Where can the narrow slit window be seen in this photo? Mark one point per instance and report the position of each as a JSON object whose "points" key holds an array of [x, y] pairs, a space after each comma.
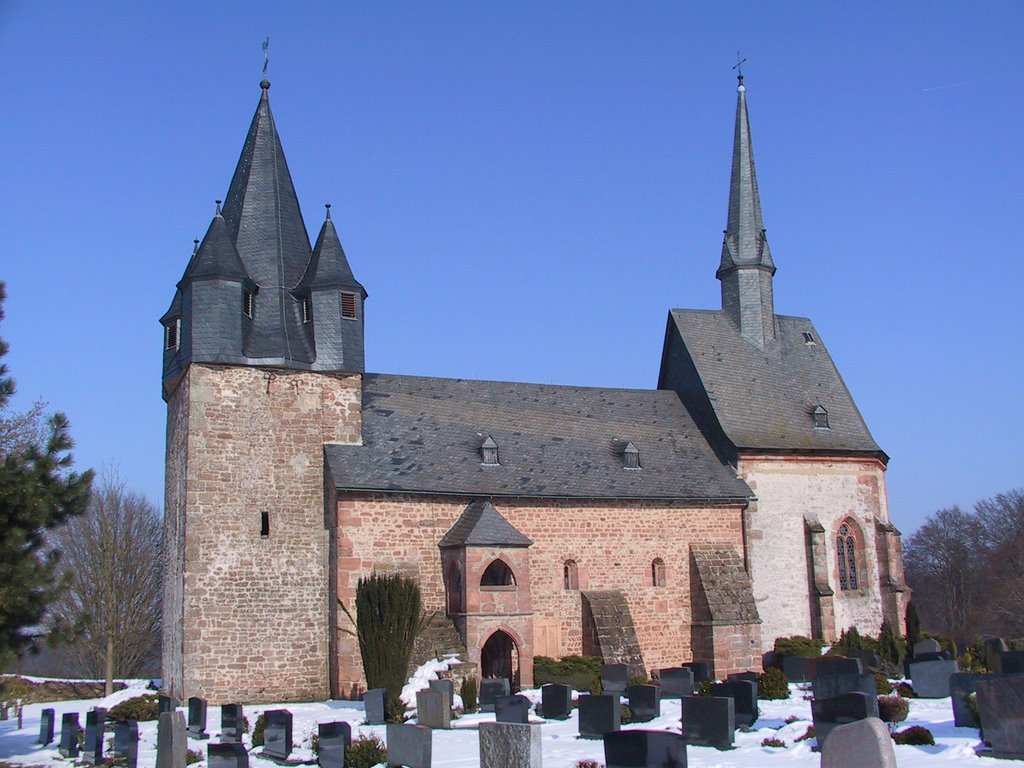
{"points": [[264, 524], [658, 572], [349, 305], [171, 334], [248, 304], [570, 575]]}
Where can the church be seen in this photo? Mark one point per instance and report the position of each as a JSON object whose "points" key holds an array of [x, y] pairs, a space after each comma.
{"points": [[742, 500]]}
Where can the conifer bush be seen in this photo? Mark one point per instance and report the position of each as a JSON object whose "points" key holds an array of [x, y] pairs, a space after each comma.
{"points": [[581, 673], [257, 730], [773, 684], [365, 752], [140, 708], [469, 692], [798, 645]]}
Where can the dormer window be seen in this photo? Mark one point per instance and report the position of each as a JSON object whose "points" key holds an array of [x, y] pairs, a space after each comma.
{"points": [[306, 310], [820, 416], [248, 303], [349, 305], [171, 334], [631, 457], [809, 338], [489, 452]]}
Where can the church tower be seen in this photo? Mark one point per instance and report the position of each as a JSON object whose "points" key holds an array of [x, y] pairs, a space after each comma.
{"points": [[747, 268], [262, 367]]}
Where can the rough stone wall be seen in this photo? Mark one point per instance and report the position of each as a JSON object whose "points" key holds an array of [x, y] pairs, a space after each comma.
{"points": [[613, 544], [790, 491], [174, 538], [256, 608]]}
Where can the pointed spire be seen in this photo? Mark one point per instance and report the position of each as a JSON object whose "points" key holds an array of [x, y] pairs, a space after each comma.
{"points": [[215, 257], [328, 266]]}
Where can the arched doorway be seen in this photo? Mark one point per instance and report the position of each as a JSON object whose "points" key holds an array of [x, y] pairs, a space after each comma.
{"points": [[500, 658]]}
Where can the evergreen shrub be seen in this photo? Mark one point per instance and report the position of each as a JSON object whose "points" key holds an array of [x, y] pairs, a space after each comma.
{"points": [[257, 730], [365, 752], [883, 686], [469, 691], [798, 645], [581, 673], [773, 684], [140, 708]]}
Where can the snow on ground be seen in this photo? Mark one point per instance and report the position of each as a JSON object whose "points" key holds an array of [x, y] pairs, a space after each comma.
{"points": [[459, 747]]}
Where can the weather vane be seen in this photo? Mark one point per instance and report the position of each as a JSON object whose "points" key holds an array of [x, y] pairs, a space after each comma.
{"points": [[738, 67], [266, 55]]}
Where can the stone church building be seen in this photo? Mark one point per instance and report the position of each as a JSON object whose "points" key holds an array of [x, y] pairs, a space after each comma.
{"points": [[741, 500]]}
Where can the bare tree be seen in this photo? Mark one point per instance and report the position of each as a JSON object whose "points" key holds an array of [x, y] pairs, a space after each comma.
{"points": [[112, 555], [1002, 523]]}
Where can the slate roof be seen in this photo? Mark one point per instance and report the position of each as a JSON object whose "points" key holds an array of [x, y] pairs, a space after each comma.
{"points": [[216, 257], [328, 267], [481, 525], [423, 435], [764, 399]]}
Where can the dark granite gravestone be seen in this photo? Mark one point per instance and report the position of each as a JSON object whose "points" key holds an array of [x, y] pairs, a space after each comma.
{"points": [[753, 677], [230, 754], [232, 722], [931, 678], [509, 745], [512, 709], [845, 708], [409, 745], [46, 719], [447, 687], [676, 682], [864, 743], [827, 686], [644, 749], [92, 748], [797, 668], [555, 701], [994, 648], [1001, 706], [644, 702], [939, 656], [599, 715], [171, 740], [701, 671], [197, 718], [433, 709], [1012, 662], [962, 685], [491, 689], [835, 665], [126, 743], [69, 729], [709, 721], [373, 701], [744, 693], [869, 659], [333, 739], [167, 703], [277, 734], [614, 678]]}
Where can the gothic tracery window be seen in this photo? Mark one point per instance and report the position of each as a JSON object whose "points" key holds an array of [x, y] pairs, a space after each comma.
{"points": [[846, 554]]}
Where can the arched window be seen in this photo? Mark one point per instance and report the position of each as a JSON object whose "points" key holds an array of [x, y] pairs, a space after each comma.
{"points": [[570, 575], [846, 555], [454, 589], [658, 572], [498, 574]]}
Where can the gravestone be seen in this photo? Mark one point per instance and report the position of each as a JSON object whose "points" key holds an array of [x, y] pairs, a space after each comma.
{"points": [[599, 715], [509, 745], [171, 741], [126, 743], [512, 709], [962, 685], [556, 701], [644, 749], [994, 648], [373, 701], [676, 682], [447, 687], [1012, 662], [744, 694], [409, 745], [797, 668], [333, 739], [931, 678], [167, 703], [614, 678], [197, 718], [835, 665], [1001, 706], [230, 754], [46, 719], [432, 709], [753, 677], [709, 721], [827, 686], [232, 722], [644, 702], [701, 671], [865, 744], [491, 689], [839, 710], [869, 659], [940, 656], [69, 729], [928, 645], [277, 734], [92, 749]]}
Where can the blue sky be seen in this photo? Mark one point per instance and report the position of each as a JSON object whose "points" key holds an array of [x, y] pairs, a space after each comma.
{"points": [[525, 189]]}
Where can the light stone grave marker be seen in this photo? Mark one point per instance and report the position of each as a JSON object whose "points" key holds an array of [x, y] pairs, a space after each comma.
{"points": [[510, 745]]}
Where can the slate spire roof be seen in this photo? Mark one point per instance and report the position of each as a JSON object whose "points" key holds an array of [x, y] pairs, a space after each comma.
{"points": [[328, 267], [215, 257], [481, 525]]}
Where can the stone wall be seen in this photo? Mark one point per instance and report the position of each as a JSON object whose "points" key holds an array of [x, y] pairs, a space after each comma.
{"points": [[794, 493], [255, 613], [613, 543], [174, 538]]}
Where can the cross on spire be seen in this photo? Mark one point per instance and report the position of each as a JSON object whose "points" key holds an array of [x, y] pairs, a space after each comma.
{"points": [[266, 56], [739, 67]]}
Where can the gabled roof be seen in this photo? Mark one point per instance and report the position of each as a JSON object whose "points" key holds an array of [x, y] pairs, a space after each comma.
{"points": [[481, 525], [328, 267], [763, 399], [423, 435]]}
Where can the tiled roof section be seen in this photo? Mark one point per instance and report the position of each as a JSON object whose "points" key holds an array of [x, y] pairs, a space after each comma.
{"points": [[423, 435], [328, 267], [481, 525], [727, 593], [765, 399], [216, 257]]}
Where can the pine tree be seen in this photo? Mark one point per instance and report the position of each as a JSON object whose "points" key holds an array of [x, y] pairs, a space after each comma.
{"points": [[38, 490], [913, 626]]}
